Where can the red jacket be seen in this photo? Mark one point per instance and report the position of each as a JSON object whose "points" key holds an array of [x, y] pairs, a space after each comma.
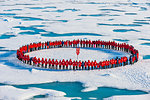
{"points": [[67, 63], [103, 63], [95, 63], [60, 63], [39, 61], [53, 62], [74, 63], [79, 63], [70, 62], [119, 61], [43, 61], [124, 59], [85, 64], [98, 65], [133, 59], [49, 62], [89, 63], [56, 62], [46, 61], [92, 63]]}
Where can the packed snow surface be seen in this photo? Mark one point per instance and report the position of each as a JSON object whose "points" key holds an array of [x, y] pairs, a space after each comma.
{"points": [[130, 97], [27, 21], [11, 93]]}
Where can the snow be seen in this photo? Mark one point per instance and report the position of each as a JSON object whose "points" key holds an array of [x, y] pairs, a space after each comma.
{"points": [[89, 89], [130, 97], [85, 54], [135, 77], [11, 93]]}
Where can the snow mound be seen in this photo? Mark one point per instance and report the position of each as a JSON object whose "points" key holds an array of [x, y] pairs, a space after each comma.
{"points": [[11, 93], [130, 97]]}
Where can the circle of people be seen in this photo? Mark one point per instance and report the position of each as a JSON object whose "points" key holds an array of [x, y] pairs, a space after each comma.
{"points": [[75, 64]]}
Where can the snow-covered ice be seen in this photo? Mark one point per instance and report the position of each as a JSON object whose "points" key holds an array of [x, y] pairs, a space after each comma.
{"points": [[130, 97], [11, 93], [26, 21]]}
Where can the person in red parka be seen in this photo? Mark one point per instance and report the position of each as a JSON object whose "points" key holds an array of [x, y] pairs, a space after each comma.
{"points": [[119, 62], [56, 64], [46, 62], [87, 42], [90, 43], [39, 61], [137, 55], [43, 61], [81, 43], [79, 64], [104, 64], [35, 61], [63, 63], [92, 65], [95, 64], [70, 63], [107, 64], [60, 63], [125, 60], [115, 62], [49, 62], [98, 66], [67, 63], [89, 64], [53, 63], [74, 43], [74, 65], [133, 60], [85, 65]]}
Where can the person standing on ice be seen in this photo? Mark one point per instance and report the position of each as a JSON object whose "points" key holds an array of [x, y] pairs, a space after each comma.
{"points": [[74, 65], [70, 63], [92, 65], [63, 63], [82, 65], [79, 64], [95, 64], [46, 62], [39, 61], [53, 63], [56, 64], [104, 64], [89, 64], [28, 58], [81, 43], [49, 63], [70, 43], [30, 61], [60, 63], [119, 62], [67, 63], [85, 65], [115, 62], [62, 43], [43, 61]]}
